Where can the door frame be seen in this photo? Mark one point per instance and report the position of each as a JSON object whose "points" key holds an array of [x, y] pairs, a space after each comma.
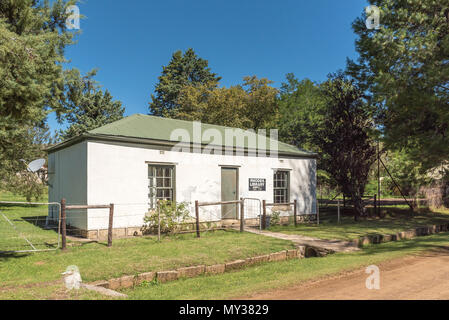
{"points": [[237, 188]]}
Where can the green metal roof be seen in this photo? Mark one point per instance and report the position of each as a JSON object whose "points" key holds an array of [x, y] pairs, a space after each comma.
{"points": [[152, 128]]}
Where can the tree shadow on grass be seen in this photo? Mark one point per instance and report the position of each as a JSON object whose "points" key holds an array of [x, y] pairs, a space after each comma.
{"points": [[5, 256], [40, 222], [400, 220], [421, 245]]}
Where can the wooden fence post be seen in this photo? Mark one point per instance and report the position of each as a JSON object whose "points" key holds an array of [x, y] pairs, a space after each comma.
{"points": [[197, 214], [264, 214], [375, 205], [158, 208], [338, 210], [242, 215], [317, 212], [111, 221], [295, 203], [63, 225]]}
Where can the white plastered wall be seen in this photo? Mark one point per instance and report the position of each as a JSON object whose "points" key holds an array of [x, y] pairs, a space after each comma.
{"points": [[118, 173], [67, 179]]}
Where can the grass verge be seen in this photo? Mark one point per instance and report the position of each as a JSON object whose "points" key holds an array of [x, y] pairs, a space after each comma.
{"points": [[130, 256], [254, 279], [126, 257], [397, 220], [282, 274]]}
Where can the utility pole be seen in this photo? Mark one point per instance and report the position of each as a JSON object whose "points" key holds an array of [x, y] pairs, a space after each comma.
{"points": [[378, 176]]}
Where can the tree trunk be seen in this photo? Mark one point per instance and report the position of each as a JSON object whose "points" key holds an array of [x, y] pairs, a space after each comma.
{"points": [[358, 206]]}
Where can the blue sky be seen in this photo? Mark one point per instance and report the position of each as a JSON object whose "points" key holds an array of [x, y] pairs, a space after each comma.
{"points": [[130, 41]]}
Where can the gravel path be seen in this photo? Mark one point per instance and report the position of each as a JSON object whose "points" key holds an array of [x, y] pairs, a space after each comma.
{"points": [[420, 277]]}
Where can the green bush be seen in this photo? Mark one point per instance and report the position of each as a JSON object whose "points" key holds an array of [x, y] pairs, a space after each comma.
{"points": [[26, 184], [275, 218], [172, 215]]}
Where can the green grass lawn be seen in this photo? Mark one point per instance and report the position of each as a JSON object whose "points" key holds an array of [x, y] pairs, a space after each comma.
{"points": [[28, 223], [126, 257], [135, 255], [130, 256], [19, 223], [397, 220], [253, 279], [281, 274]]}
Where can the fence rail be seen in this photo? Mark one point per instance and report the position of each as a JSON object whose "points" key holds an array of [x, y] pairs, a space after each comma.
{"points": [[198, 204], [65, 207], [264, 211]]}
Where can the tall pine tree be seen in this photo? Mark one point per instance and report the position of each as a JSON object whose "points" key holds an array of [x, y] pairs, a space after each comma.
{"points": [[88, 107], [182, 70], [404, 65], [33, 37]]}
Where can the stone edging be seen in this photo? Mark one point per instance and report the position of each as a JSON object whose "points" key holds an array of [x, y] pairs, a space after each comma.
{"points": [[299, 253], [191, 272], [409, 234]]}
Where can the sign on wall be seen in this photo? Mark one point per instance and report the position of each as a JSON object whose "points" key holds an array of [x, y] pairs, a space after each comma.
{"points": [[256, 184]]}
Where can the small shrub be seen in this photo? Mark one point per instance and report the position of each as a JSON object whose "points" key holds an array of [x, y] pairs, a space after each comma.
{"points": [[147, 284], [275, 218], [26, 184], [172, 215]]}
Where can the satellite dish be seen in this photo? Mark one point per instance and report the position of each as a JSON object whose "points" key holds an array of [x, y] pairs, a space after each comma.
{"points": [[36, 165]]}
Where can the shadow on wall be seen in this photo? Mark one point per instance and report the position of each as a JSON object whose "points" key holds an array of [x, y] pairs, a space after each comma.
{"points": [[204, 193], [307, 204]]}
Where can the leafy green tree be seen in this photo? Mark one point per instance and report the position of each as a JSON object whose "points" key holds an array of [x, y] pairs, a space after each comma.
{"points": [[343, 137], [299, 102], [87, 107], [252, 105], [299, 115], [405, 172], [30, 143], [32, 41], [404, 65], [182, 70], [209, 104], [261, 102]]}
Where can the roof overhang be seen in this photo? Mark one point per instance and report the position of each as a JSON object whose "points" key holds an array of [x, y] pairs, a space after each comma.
{"points": [[165, 143]]}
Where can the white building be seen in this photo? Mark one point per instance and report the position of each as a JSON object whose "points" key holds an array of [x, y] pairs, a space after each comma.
{"points": [[139, 159]]}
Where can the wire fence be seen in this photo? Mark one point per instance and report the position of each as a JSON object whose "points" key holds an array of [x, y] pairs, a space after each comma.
{"points": [[334, 210], [29, 227], [33, 227]]}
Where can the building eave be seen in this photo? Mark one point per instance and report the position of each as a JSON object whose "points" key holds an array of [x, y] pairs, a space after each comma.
{"points": [[164, 143]]}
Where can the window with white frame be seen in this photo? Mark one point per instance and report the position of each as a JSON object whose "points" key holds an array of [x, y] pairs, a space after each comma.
{"points": [[161, 184], [281, 186]]}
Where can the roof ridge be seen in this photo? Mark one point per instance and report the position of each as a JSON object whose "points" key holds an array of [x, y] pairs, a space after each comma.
{"points": [[190, 121], [220, 126], [148, 126]]}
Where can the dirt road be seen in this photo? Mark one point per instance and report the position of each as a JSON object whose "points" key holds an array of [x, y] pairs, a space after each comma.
{"points": [[419, 277]]}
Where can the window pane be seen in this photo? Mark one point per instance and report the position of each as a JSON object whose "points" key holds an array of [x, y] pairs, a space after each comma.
{"points": [[168, 172], [160, 183], [281, 187]]}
